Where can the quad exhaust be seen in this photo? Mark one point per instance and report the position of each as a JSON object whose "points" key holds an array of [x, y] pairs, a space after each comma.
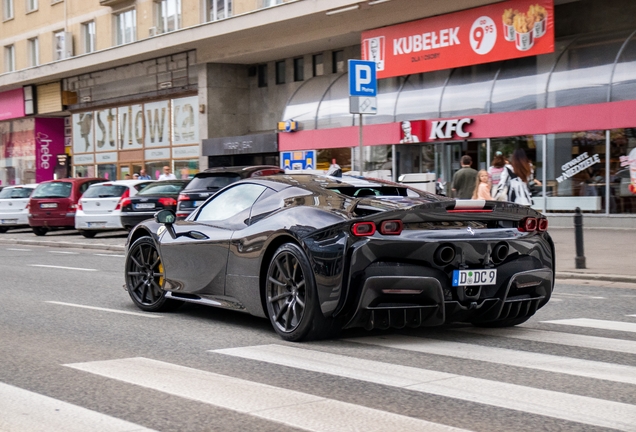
{"points": [[444, 255]]}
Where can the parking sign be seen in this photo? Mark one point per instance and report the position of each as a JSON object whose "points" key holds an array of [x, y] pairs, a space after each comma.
{"points": [[362, 81]]}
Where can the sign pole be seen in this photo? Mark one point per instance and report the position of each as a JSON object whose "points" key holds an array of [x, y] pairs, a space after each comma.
{"points": [[363, 89], [361, 143]]}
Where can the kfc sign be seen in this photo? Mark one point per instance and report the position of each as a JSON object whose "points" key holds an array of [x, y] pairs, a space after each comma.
{"points": [[444, 129], [502, 31]]}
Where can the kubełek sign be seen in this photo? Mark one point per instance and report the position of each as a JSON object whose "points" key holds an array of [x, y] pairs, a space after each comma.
{"points": [[501, 31]]}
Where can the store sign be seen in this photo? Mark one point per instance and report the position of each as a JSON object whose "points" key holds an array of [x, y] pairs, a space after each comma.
{"points": [[246, 144], [106, 157], [157, 124], [12, 104], [577, 165], [447, 129], [106, 130], [506, 30], [84, 159], [131, 127], [157, 154], [189, 152], [83, 133], [185, 121], [49, 142]]}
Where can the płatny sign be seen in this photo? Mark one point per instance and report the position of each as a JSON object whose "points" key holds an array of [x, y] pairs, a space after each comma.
{"points": [[577, 165], [444, 129]]}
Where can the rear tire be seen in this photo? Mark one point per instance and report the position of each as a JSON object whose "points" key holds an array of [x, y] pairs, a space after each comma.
{"points": [[144, 276], [39, 231], [3, 230], [503, 323], [291, 296], [88, 234]]}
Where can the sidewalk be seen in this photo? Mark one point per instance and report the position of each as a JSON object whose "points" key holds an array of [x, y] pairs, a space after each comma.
{"points": [[610, 252]]}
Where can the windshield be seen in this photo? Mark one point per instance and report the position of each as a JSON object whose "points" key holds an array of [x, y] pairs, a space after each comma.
{"points": [[163, 188], [15, 193], [213, 182], [53, 190], [105, 191]]}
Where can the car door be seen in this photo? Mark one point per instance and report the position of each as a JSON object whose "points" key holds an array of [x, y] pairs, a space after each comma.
{"points": [[195, 259]]}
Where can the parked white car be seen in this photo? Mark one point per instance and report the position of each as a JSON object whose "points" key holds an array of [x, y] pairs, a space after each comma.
{"points": [[13, 206], [99, 208]]}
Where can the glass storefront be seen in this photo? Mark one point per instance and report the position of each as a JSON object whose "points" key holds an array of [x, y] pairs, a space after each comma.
{"points": [[17, 152]]}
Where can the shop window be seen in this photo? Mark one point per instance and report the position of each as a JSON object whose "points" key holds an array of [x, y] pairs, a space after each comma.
{"points": [[622, 172], [168, 15], [31, 5], [7, 9], [84, 171], [280, 72], [107, 171], [262, 75], [186, 169], [33, 52], [318, 65], [299, 69], [338, 63], [126, 27], [88, 36], [9, 58], [220, 9]]}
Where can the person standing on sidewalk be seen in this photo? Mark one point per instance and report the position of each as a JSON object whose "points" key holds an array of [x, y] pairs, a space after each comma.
{"points": [[464, 179], [167, 175]]}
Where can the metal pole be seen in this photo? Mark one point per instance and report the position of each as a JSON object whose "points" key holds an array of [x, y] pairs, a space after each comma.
{"points": [[607, 172], [393, 164], [488, 153], [544, 172], [360, 141], [579, 259]]}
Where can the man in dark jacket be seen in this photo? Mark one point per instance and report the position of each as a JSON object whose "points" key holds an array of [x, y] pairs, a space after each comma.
{"points": [[464, 180]]}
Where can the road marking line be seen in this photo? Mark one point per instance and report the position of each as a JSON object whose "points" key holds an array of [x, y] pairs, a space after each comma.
{"points": [[104, 309], [580, 409], [631, 315], [583, 296], [597, 324], [290, 407], [61, 267], [64, 252], [111, 255], [508, 357], [19, 250], [23, 410], [569, 339]]}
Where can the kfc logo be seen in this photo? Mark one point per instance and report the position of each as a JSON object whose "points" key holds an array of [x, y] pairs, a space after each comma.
{"points": [[444, 129]]}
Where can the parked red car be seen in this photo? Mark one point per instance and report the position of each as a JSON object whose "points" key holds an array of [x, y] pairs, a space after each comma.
{"points": [[53, 203]]}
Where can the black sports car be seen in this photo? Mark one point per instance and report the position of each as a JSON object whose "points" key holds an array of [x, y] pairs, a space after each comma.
{"points": [[156, 196], [317, 254]]}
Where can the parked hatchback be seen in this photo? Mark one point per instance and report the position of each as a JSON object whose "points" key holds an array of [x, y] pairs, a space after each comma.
{"points": [[160, 195], [13, 206], [208, 182], [99, 209], [53, 204]]}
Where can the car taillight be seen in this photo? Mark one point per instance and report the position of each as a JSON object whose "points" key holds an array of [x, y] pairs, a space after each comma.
{"points": [[528, 224], [123, 198], [166, 202], [543, 224], [391, 227], [73, 207], [183, 215], [184, 197], [79, 206], [124, 202], [363, 229]]}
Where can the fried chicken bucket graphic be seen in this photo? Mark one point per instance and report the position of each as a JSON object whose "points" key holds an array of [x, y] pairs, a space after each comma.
{"points": [[523, 28], [524, 32], [539, 16], [508, 24]]}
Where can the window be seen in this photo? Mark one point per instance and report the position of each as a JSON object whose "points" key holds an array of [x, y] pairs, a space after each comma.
{"points": [[88, 36], [126, 27], [299, 69], [7, 9], [230, 202], [58, 45], [268, 3], [262, 75], [34, 52], [9, 58], [32, 5], [168, 15], [220, 9], [318, 65], [280, 72], [338, 63]]}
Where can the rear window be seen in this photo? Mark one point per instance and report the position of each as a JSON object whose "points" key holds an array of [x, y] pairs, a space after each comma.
{"points": [[105, 191], [8, 193], [53, 190], [162, 188], [213, 182]]}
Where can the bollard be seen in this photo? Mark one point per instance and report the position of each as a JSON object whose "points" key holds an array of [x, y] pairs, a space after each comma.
{"points": [[579, 259]]}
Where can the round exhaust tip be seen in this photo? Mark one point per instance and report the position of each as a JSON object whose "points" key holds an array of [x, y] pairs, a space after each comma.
{"points": [[444, 255], [500, 253]]}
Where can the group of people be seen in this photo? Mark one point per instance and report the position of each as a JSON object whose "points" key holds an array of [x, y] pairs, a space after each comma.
{"points": [[142, 175], [503, 181]]}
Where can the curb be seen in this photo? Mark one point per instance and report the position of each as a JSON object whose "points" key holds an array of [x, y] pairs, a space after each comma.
{"points": [[596, 276], [50, 243]]}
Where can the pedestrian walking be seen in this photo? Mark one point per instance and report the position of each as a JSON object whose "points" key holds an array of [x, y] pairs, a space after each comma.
{"points": [[464, 179], [515, 179], [482, 186]]}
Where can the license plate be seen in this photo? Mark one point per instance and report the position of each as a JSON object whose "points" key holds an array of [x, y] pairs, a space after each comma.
{"points": [[96, 224], [8, 221], [197, 203], [474, 277], [145, 205], [48, 205]]}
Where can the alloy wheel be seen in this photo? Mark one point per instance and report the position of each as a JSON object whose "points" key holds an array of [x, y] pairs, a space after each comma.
{"points": [[286, 291], [144, 274]]}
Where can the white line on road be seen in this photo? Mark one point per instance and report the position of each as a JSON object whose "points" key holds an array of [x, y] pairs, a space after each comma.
{"points": [[569, 339], [61, 267], [64, 252], [290, 407], [583, 296], [631, 315], [111, 255], [508, 357], [597, 324], [18, 250], [23, 410], [104, 309], [580, 409]]}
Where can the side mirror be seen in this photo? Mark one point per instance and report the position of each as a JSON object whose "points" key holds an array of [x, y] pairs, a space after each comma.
{"points": [[166, 217]]}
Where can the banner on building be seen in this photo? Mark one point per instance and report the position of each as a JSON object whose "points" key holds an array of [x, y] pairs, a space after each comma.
{"points": [[502, 31]]}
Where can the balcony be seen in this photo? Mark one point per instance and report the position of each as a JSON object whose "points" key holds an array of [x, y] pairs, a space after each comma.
{"points": [[113, 2]]}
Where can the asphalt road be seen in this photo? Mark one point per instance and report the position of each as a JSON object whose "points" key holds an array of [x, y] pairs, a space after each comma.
{"points": [[77, 355]]}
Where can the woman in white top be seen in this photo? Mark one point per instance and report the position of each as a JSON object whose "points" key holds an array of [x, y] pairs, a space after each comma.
{"points": [[516, 177]]}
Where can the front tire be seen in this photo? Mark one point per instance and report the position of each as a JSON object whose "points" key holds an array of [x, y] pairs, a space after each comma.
{"points": [[144, 276], [39, 231], [291, 296], [3, 230]]}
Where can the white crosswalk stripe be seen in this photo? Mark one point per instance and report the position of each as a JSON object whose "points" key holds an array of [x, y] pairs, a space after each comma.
{"points": [[562, 406], [312, 413], [22, 410], [597, 324]]}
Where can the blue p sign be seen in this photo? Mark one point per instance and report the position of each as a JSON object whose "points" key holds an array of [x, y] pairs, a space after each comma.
{"points": [[362, 81]]}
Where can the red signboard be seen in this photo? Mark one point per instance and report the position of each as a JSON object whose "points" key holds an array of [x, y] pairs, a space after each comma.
{"points": [[506, 30]]}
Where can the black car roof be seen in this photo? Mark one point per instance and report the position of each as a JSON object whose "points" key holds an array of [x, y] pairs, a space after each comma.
{"points": [[243, 171]]}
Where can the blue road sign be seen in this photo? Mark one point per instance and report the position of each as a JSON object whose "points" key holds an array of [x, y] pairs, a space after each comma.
{"points": [[362, 80], [298, 160]]}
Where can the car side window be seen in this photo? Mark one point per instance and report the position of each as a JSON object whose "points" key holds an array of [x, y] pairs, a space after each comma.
{"points": [[83, 187], [230, 202]]}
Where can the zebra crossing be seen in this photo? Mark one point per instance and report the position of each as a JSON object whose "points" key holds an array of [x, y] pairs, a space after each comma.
{"points": [[302, 409]]}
